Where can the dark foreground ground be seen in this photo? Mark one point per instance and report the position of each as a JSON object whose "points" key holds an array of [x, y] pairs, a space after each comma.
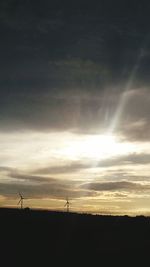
{"points": [[40, 238]]}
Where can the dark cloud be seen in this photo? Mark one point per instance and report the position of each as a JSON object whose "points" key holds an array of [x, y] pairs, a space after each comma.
{"points": [[68, 110], [68, 168], [134, 124], [31, 178], [61, 62], [46, 190], [115, 186], [39, 186], [110, 34], [28, 178], [130, 159], [120, 195], [126, 174], [6, 169], [17, 174], [77, 111], [34, 186]]}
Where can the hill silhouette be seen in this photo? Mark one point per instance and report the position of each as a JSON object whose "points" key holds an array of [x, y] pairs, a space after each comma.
{"points": [[46, 238]]}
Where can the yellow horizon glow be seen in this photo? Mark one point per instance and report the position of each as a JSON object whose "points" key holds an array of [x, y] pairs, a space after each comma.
{"points": [[27, 152]]}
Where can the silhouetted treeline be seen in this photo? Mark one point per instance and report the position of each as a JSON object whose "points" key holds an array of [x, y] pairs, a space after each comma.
{"points": [[43, 238]]}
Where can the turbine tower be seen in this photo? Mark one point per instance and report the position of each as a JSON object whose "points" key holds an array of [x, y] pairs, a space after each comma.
{"points": [[21, 201], [67, 204]]}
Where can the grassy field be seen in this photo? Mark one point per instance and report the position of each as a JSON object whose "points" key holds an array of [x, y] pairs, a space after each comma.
{"points": [[44, 238]]}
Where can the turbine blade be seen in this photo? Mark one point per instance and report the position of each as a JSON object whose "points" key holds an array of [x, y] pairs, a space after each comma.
{"points": [[20, 195], [19, 202]]}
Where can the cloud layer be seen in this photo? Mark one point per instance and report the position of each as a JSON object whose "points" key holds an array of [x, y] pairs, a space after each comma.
{"points": [[68, 71], [78, 112], [64, 61]]}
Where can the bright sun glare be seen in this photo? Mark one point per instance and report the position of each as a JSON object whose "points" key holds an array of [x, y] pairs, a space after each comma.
{"points": [[97, 147]]}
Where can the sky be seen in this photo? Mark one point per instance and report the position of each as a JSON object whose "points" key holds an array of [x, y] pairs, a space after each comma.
{"points": [[75, 105]]}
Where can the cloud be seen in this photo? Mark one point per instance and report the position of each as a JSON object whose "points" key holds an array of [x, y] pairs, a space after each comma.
{"points": [[6, 169], [71, 89], [135, 116], [130, 159], [31, 179], [34, 186], [81, 112], [79, 72], [68, 168], [73, 68], [14, 173], [116, 186], [44, 110], [45, 190], [51, 81]]}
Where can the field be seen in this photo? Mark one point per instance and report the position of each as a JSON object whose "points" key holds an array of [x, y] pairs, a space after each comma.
{"points": [[44, 238]]}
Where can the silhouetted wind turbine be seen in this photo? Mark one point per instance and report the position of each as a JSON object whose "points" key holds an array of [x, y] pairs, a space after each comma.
{"points": [[67, 204], [21, 201]]}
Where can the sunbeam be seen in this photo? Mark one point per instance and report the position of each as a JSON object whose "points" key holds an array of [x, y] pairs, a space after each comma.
{"points": [[125, 95]]}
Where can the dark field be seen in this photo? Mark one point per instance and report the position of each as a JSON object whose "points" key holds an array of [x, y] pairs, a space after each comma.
{"points": [[41, 238]]}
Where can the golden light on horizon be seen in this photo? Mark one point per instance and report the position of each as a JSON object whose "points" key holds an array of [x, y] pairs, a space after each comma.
{"points": [[70, 160]]}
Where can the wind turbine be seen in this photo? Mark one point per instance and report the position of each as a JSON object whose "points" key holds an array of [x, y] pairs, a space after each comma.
{"points": [[21, 201], [67, 204]]}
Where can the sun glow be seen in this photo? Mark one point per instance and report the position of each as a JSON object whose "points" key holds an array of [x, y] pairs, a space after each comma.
{"points": [[28, 150], [97, 147]]}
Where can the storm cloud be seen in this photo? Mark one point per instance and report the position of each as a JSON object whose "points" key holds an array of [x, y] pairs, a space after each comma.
{"points": [[62, 66]]}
